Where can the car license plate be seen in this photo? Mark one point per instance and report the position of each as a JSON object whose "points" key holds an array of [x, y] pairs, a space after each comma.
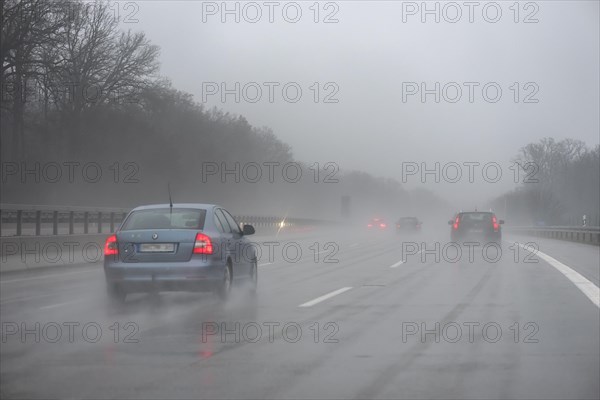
{"points": [[157, 247]]}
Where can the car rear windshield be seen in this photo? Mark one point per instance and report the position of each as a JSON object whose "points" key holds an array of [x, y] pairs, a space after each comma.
{"points": [[164, 218], [475, 217]]}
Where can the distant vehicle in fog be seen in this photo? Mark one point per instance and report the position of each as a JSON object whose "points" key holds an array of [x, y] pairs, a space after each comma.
{"points": [[475, 225], [180, 247], [408, 225], [377, 223]]}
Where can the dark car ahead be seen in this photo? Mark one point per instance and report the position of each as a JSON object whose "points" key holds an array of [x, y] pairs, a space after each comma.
{"points": [[186, 247], [476, 225], [408, 225]]}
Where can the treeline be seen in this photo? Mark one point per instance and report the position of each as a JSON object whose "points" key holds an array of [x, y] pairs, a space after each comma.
{"points": [[560, 184], [88, 120], [64, 62]]}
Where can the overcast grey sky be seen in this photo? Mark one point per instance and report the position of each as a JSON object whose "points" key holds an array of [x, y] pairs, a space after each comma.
{"points": [[372, 57]]}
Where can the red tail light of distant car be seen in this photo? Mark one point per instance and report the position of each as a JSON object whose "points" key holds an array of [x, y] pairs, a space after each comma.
{"points": [[456, 223]]}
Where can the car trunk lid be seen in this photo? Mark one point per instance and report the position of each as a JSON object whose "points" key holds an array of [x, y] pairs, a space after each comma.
{"points": [[160, 245]]}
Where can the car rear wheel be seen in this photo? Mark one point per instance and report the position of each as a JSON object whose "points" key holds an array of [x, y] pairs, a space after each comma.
{"points": [[225, 287], [254, 277]]}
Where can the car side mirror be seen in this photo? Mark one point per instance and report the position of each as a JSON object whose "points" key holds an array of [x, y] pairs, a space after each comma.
{"points": [[501, 221], [248, 230]]}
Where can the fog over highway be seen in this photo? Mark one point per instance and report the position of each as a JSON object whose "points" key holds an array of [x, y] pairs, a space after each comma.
{"points": [[300, 200]]}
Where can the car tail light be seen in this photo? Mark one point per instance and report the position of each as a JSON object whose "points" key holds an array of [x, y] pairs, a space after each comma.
{"points": [[369, 225], [382, 225], [495, 223], [456, 223], [203, 244], [111, 246]]}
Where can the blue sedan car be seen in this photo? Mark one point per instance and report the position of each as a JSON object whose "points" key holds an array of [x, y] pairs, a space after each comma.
{"points": [[180, 247]]}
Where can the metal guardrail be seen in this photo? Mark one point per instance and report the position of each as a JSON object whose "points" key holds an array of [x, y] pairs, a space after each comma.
{"points": [[35, 220], [27, 220], [582, 234]]}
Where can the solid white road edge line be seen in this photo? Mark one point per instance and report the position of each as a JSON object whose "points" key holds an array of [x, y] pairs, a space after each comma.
{"points": [[325, 297], [587, 287]]}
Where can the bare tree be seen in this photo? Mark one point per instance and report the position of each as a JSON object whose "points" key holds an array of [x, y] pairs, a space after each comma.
{"points": [[97, 63], [568, 182], [27, 26]]}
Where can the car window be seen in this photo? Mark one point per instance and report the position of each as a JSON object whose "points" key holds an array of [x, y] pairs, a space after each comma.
{"points": [[235, 227], [222, 221], [476, 217], [218, 223], [165, 218]]}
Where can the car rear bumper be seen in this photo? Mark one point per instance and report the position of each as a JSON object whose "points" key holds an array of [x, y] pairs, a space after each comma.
{"points": [[195, 275], [476, 237]]}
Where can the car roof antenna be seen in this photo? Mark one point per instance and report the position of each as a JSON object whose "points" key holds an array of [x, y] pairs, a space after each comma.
{"points": [[170, 205]]}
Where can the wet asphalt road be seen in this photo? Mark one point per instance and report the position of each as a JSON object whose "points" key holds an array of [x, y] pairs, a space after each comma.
{"points": [[347, 319]]}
